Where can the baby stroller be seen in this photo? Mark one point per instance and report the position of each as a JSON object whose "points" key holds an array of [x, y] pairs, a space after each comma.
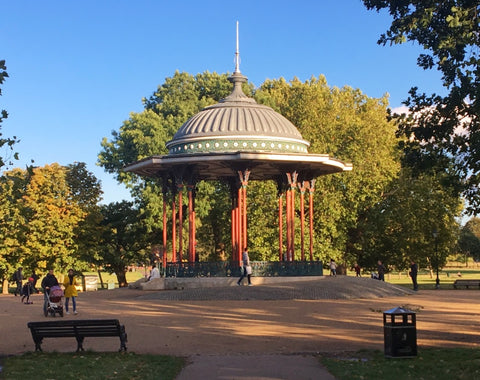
{"points": [[53, 302]]}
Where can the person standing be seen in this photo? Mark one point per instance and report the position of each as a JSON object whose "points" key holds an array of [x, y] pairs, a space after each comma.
{"points": [[357, 269], [35, 279], [18, 278], [333, 268], [381, 271], [413, 274], [246, 269], [70, 291]]}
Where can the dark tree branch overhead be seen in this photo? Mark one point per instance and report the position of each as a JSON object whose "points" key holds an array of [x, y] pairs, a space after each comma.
{"points": [[444, 127]]}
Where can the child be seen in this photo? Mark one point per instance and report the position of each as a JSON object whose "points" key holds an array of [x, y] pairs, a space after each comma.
{"points": [[27, 290]]}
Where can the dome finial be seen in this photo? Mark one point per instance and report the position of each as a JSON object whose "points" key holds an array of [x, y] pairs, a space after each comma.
{"points": [[237, 56]]}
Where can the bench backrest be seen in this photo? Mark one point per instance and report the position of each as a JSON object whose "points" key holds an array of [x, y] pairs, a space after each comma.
{"points": [[72, 328]]}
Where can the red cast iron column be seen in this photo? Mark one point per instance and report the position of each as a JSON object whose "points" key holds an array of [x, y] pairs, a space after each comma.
{"points": [[280, 227], [174, 225], [191, 225], [302, 219], [292, 181], [180, 220], [288, 205], [164, 220], [311, 189]]}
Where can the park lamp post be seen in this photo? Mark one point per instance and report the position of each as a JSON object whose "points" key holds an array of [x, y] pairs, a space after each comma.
{"points": [[435, 236]]}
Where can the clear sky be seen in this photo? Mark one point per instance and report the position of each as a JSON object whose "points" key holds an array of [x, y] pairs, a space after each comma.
{"points": [[78, 68]]}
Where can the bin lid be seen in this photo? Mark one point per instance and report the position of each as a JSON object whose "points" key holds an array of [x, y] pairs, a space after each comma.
{"points": [[398, 310]]}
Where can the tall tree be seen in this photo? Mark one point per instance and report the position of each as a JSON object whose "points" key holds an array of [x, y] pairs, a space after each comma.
{"points": [[469, 240], [348, 125], [124, 239], [86, 192], [402, 226], [7, 143], [51, 216], [12, 223], [439, 128]]}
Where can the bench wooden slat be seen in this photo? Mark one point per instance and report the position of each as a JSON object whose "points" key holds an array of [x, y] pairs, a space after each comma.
{"points": [[467, 283], [79, 329]]}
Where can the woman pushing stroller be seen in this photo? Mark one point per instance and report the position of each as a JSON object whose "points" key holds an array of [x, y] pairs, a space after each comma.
{"points": [[48, 282]]}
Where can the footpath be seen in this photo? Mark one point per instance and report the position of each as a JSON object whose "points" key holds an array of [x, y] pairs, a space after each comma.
{"points": [[258, 332]]}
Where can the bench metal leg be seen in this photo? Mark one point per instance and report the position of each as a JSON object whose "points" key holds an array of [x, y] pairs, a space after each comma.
{"points": [[123, 339], [80, 343]]}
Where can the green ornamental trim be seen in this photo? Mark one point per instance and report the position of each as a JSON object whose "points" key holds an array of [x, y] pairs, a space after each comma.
{"points": [[234, 145]]}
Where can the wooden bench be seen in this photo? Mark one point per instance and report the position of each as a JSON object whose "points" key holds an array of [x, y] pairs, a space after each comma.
{"points": [[466, 283], [78, 329]]}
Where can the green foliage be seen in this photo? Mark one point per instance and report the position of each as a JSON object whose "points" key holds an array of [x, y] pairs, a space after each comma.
{"points": [[48, 218], [469, 240], [347, 125], [12, 222], [400, 228], [7, 143], [124, 239], [51, 216], [441, 128]]}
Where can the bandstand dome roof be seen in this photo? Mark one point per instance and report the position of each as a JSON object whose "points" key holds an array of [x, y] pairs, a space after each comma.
{"points": [[233, 135], [237, 123]]}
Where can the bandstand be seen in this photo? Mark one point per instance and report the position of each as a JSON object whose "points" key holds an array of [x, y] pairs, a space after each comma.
{"points": [[237, 141]]}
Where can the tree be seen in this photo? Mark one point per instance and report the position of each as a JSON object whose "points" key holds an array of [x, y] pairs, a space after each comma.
{"points": [[348, 125], [12, 186], [86, 192], [401, 227], [124, 239], [469, 240], [439, 128], [5, 142], [51, 216]]}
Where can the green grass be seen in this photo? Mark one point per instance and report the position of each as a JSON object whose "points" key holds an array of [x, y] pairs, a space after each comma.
{"points": [[431, 363], [426, 280], [90, 365]]}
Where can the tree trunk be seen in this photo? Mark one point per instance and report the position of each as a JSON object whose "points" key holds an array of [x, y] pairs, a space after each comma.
{"points": [[122, 278], [101, 279], [5, 286]]}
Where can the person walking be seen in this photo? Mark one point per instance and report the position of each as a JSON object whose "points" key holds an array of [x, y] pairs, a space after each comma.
{"points": [[333, 268], [413, 274], [18, 278], [48, 281], [27, 290], [70, 291], [246, 269], [381, 271], [35, 279]]}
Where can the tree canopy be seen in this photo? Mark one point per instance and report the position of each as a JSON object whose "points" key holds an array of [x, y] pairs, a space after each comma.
{"points": [[439, 128], [6, 144]]}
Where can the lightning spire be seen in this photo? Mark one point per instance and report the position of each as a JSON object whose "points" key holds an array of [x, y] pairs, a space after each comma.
{"points": [[237, 56]]}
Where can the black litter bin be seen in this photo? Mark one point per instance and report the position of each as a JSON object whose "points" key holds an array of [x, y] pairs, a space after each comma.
{"points": [[400, 333]]}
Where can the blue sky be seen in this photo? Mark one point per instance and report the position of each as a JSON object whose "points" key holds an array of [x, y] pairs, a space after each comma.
{"points": [[78, 68]]}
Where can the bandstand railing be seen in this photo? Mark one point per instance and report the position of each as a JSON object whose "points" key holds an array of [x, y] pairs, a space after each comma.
{"points": [[229, 269]]}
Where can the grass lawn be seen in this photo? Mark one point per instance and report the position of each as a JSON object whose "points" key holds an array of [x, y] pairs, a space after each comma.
{"points": [[426, 280], [90, 365], [429, 364]]}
